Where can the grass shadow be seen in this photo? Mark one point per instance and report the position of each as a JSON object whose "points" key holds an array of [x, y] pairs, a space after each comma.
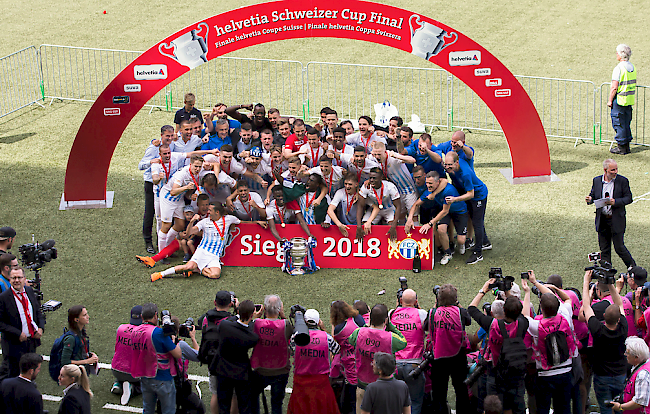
{"points": [[11, 139]]}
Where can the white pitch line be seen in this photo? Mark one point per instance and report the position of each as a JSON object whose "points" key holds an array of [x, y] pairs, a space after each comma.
{"points": [[124, 408], [641, 198], [52, 398]]}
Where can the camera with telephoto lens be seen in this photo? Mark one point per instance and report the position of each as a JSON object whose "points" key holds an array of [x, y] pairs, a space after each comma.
{"points": [[475, 371], [166, 323], [602, 270], [502, 283], [617, 399], [403, 287], [487, 308], [35, 255], [425, 365], [297, 314], [186, 327]]}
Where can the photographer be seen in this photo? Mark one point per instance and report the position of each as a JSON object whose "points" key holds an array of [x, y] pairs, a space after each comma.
{"points": [[636, 397], [312, 392], [152, 356], [186, 401], [449, 344], [553, 332], [508, 384], [223, 301], [121, 363], [231, 364], [270, 358], [411, 321], [609, 366], [381, 336]]}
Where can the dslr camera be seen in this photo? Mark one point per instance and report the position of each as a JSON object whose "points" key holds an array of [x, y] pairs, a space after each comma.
{"points": [[502, 283], [297, 314], [602, 270], [166, 323], [403, 286], [186, 327]]}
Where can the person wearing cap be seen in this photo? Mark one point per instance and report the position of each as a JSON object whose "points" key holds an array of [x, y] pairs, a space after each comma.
{"points": [[7, 235], [125, 384], [387, 394], [312, 392], [209, 323], [636, 278]]}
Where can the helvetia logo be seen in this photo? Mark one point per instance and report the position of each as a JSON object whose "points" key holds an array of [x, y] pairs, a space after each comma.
{"points": [[150, 72], [465, 58]]}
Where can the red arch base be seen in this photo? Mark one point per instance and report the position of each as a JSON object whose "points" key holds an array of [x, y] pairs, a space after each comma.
{"points": [[290, 19]]}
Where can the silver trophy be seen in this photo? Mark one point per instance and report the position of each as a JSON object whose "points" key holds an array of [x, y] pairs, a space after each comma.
{"points": [[298, 254], [428, 40], [189, 49]]}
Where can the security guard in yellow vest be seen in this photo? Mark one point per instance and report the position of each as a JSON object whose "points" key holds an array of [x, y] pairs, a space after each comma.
{"points": [[621, 99]]}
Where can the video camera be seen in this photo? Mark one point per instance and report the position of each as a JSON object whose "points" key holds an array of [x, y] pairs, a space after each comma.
{"points": [[403, 286], [297, 314], [34, 256], [502, 283], [166, 323], [602, 270]]}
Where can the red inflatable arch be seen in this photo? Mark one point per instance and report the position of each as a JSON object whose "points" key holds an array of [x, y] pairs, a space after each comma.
{"points": [[290, 19]]}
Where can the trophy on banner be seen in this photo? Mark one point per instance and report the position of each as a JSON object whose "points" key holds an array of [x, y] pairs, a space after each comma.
{"points": [[189, 49], [299, 256], [428, 40]]}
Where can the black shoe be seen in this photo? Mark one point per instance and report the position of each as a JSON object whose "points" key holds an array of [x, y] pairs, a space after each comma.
{"points": [[487, 246], [150, 249], [166, 261], [187, 257], [474, 258], [620, 149]]}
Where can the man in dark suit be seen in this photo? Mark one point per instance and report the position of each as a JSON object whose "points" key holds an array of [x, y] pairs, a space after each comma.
{"points": [[232, 365], [20, 395], [21, 323], [610, 219]]}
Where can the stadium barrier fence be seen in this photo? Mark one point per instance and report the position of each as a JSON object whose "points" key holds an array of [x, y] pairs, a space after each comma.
{"points": [[20, 81], [568, 108]]}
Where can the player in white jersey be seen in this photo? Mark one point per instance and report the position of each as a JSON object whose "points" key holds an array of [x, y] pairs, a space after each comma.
{"points": [[172, 203], [214, 235], [262, 172], [384, 198], [359, 164], [217, 190], [312, 199], [187, 141], [394, 168], [277, 212], [366, 135], [246, 205], [347, 197], [313, 149], [332, 175], [338, 146]]}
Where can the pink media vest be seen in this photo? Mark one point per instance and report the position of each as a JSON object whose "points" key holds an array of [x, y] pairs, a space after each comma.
{"points": [[580, 328], [369, 341], [313, 359], [629, 391], [546, 326], [495, 339], [271, 351], [347, 351], [407, 320], [144, 360], [447, 332], [123, 349]]}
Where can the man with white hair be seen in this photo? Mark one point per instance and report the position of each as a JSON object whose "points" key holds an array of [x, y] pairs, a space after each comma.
{"points": [[637, 390], [610, 218], [621, 99]]}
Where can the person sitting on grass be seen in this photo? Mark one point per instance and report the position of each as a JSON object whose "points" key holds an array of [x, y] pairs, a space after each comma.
{"points": [[206, 259]]}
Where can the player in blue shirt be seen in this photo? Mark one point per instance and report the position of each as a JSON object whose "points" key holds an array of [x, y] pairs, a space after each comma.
{"points": [[475, 193], [426, 154], [457, 143]]}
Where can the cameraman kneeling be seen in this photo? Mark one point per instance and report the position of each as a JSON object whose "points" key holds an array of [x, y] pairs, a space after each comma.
{"points": [[507, 384], [186, 400]]}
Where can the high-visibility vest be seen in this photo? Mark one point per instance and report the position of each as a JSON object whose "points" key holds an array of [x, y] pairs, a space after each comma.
{"points": [[626, 86]]}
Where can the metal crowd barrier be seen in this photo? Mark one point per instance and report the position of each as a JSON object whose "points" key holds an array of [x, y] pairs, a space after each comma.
{"points": [[572, 109], [20, 81]]}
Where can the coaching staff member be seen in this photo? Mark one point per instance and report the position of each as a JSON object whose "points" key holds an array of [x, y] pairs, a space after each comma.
{"points": [[21, 323], [610, 219]]}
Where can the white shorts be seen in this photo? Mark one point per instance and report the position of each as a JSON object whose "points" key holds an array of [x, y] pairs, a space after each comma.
{"points": [[408, 200], [169, 210], [387, 214], [205, 259]]}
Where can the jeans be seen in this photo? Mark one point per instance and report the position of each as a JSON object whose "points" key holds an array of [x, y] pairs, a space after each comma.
{"points": [[416, 386], [278, 384], [556, 387], [511, 396], [153, 390], [621, 119], [456, 368], [225, 389], [606, 388]]}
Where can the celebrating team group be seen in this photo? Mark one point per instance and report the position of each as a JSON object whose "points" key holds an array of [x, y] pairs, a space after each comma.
{"points": [[215, 170]]}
